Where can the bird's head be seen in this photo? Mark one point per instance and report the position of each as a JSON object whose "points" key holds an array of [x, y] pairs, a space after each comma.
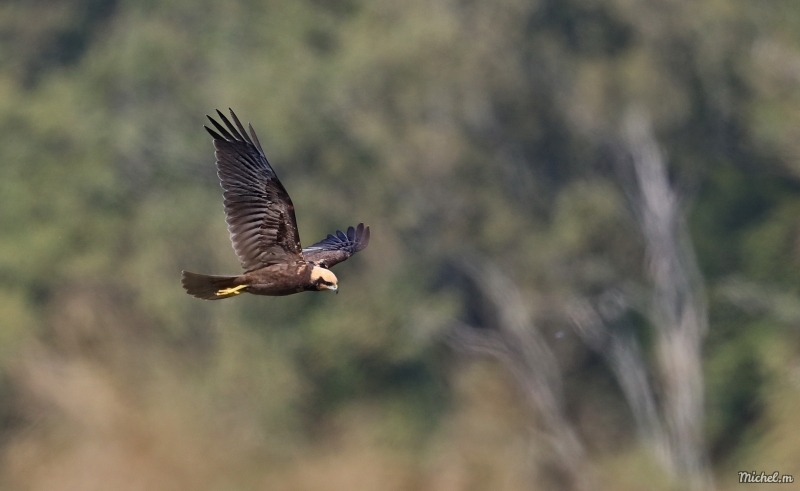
{"points": [[324, 279]]}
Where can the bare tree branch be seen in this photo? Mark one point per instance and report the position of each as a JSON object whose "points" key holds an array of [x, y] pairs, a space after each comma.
{"points": [[604, 328], [514, 341]]}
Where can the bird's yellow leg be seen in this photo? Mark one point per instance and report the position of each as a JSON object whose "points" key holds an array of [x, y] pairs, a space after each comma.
{"points": [[231, 291]]}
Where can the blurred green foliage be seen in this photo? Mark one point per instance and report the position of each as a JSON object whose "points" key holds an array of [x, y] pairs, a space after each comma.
{"points": [[447, 127]]}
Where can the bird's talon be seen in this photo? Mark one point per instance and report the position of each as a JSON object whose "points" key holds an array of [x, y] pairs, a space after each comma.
{"points": [[231, 291]]}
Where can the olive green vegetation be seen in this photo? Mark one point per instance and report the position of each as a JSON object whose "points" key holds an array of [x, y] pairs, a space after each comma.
{"points": [[448, 127]]}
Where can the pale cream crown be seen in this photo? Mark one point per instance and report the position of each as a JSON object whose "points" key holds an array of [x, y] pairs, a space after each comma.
{"points": [[318, 273]]}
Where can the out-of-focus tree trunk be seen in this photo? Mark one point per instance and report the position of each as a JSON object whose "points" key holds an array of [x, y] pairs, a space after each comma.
{"points": [[673, 422], [678, 311], [514, 340]]}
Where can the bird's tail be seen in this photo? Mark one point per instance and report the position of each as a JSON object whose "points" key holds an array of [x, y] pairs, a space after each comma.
{"points": [[210, 287]]}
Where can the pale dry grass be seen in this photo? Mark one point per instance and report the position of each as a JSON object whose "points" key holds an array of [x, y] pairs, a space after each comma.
{"points": [[89, 428], [104, 406]]}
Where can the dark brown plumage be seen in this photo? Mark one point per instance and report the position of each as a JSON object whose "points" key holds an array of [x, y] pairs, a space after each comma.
{"points": [[263, 229]]}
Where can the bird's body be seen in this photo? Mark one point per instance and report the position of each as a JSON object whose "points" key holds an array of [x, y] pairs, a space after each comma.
{"points": [[261, 221], [279, 279]]}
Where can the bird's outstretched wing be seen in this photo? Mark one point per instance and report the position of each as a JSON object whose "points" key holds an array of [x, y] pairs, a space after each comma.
{"points": [[259, 212], [334, 249]]}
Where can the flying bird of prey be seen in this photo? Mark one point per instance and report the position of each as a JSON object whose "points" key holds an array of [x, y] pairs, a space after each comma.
{"points": [[263, 229]]}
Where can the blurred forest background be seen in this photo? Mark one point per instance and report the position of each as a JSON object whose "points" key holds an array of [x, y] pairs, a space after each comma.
{"points": [[585, 261]]}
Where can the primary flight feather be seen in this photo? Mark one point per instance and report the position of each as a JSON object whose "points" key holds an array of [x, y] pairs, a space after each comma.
{"points": [[262, 226]]}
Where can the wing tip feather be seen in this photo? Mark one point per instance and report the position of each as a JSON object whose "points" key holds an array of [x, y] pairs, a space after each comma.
{"points": [[214, 134], [241, 133], [235, 133], [363, 241]]}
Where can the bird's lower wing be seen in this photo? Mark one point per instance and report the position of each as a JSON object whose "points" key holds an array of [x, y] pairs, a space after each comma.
{"points": [[336, 248]]}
